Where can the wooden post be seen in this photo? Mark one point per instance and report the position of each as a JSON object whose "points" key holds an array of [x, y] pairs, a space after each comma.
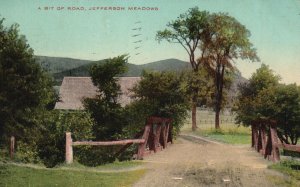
{"points": [[259, 142], [12, 147], [151, 138], [268, 150], [264, 141], [274, 138], [142, 146], [69, 148], [252, 135], [167, 134], [170, 136], [255, 137], [156, 136], [163, 136]]}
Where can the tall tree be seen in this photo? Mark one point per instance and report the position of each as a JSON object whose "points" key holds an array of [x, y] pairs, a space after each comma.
{"points": [[24, 88], [287, 114], [188, 31], [164, 94], [225, 41], [264, 98], [253, 98], [105, 108]]}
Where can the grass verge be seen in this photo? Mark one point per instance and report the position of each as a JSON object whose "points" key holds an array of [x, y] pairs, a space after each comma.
{"points": [[230, 135], [14, 175], [289, 167]]}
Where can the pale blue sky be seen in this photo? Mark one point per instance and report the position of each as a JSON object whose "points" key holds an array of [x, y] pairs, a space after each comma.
{"points": [[98, 34]]}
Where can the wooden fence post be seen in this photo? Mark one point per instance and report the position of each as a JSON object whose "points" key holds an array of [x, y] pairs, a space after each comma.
{"points": [[157, 136], [274, 139], [12, 147], [69, 148], [252, 135], [264, 140], [142, 146]]}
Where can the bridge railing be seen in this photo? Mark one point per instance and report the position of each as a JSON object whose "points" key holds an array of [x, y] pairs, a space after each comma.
{"points": [[265, 140], [157, 134]]}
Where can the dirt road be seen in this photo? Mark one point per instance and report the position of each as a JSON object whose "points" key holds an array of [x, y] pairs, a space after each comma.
{"points": [[193, 162]]}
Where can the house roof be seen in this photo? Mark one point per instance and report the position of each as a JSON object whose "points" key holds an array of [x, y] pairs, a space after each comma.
{"points": [[74, 89]]}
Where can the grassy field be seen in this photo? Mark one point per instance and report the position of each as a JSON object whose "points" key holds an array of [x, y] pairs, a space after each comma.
{"points": [[75, 175], [229, 132], [233, 135], [289, 167]]}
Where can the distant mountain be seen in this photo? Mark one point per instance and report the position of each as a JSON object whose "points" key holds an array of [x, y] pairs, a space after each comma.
{"points": [[61, 67], [166, 65], [60, 64]]}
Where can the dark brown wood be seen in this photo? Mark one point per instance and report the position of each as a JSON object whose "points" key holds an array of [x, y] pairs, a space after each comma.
{"points": [[157, 136], [274, 139], [142, 146], [163, 136], [289, 147], [167, 134], [263, 140], [268, 150], [170, 135], [151, 139], [259, 142], [252, 135], [120, 142]]}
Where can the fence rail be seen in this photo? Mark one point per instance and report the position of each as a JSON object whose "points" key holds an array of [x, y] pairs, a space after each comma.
{"points": [[157, 133], [120, 142]]}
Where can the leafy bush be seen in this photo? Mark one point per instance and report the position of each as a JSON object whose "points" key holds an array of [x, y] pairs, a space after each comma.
{"points": [[165, 94], [51, 146]]}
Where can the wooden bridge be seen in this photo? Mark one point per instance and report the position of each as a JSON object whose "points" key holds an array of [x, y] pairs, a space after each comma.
{"points": [[265, 140], [156, 136]]}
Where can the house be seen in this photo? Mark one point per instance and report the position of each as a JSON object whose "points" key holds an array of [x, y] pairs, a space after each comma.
{"points": [[74, 89]]}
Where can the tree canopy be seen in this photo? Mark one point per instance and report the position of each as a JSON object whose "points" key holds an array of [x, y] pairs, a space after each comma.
{"points": [[24, 86], [105, 109], [212, 40], [263, 98], [164, 93]]}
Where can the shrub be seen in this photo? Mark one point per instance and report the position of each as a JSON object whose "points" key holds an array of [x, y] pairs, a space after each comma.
{"points": [[51, 146]]}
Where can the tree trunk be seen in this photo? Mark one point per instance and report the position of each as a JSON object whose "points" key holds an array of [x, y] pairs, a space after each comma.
{"points": [[218, 93], [194, 113], [217, 119]]}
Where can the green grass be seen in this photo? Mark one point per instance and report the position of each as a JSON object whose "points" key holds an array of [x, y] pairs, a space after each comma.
{"points": [[233, 135], [289, 167], [14, 175], [125, 165], [229, 133]]}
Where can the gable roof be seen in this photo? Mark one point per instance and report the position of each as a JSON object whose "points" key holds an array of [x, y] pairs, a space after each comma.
{"points": [[74, 89]]}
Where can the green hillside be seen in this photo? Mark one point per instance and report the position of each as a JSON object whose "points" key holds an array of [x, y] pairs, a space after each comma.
{"points": [[59, 64], [61, 67], [166, 65]]}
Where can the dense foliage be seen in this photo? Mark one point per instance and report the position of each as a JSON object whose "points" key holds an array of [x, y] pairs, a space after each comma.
{"points": [[264, 98], [105, 109], [166, 95], [213, 40], [25, 90], [51, 144]]}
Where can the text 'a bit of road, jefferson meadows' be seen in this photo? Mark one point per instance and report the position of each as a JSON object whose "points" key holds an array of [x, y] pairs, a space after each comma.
{"points": [[98, 8]]}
